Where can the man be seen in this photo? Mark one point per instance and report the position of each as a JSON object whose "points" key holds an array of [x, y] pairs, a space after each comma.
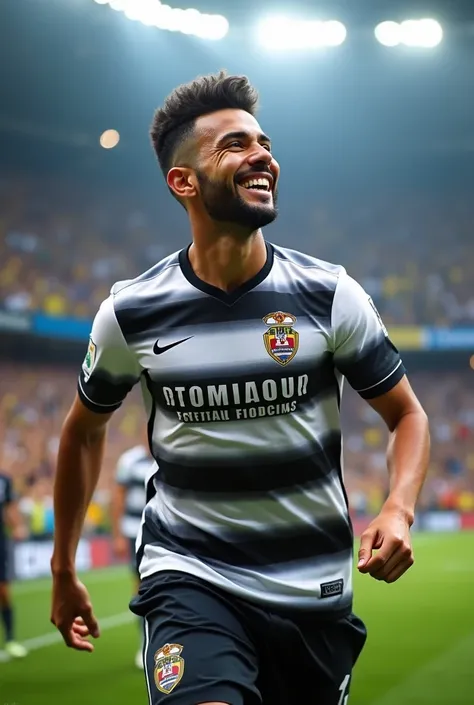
{"points": [[11, 526], [240, 347], [128, 503]]}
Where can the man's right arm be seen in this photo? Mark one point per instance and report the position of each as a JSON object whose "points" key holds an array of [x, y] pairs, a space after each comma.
{"points": [[80, 454], [108, 373]]}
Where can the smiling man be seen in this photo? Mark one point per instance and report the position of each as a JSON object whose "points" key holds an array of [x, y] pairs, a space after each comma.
{"points": [[240, 347]]}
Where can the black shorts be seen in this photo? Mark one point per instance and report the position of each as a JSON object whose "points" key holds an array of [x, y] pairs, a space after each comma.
{"points": [[5, 560], [204, 645]]}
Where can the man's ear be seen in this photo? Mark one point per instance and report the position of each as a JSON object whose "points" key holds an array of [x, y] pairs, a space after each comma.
{"points": [[182, 181]]}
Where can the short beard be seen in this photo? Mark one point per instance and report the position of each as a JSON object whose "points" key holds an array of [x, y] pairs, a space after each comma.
{"points": [[224, 205]]}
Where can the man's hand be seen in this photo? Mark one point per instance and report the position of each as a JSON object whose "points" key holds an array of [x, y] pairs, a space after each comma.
{"points": [[389, 535], [72, 614], [121, 547]]}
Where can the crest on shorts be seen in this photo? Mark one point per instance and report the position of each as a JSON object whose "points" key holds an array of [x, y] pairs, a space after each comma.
{"points": [[169, 667], [281, 339]]}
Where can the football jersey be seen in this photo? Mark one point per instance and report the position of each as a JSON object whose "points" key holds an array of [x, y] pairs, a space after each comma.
{"points": [[242, 392], [132, 470]]}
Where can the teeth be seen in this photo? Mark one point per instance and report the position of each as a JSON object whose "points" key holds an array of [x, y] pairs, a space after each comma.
{"points": [[255, 183]]}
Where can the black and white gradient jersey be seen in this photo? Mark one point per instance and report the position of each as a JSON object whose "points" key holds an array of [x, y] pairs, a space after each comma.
{"points": [[132, 470], [242, 392]]}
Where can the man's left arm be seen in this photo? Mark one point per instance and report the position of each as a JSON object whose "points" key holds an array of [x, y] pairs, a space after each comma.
{"points": [[407, 459], [365, 355]]}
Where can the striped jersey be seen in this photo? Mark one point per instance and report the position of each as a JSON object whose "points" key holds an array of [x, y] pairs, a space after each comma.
{"points": [[243, 391], [132, 470]]}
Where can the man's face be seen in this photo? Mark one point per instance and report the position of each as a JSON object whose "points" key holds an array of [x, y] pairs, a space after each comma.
{"points": [[236, 172]]}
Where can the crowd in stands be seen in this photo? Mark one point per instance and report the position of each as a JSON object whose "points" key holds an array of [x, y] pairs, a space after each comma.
{"points": [[33, 405], [34, 401], [448, 399], [61, 249], [60, 257]]}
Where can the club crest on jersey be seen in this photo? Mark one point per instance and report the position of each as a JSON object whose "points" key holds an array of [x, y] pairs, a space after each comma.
{"points": [[281, 339], [169, 667]]}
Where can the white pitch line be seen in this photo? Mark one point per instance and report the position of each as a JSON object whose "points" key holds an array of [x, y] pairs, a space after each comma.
{"points": [[39, 642]]}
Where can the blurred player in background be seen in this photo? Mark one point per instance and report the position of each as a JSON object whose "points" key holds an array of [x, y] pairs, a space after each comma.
{"points": [[240, 347], [128, 503], [11, 527]]}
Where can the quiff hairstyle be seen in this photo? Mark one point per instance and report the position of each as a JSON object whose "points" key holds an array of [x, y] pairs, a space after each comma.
{"points": [[174, 122]]}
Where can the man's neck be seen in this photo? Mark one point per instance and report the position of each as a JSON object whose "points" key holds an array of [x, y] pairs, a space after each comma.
{"points": [[228, 260]]}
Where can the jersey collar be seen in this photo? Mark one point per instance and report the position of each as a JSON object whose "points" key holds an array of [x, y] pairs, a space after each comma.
{"points": [[226, 297]]}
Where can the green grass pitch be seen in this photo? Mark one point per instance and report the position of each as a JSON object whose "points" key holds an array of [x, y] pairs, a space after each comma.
{"points": [[420, 649]]}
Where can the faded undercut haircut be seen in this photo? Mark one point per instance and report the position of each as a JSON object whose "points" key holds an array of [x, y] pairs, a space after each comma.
{"points": [[174, 122]]}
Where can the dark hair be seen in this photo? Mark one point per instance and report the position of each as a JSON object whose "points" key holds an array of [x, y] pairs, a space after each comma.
{"points": [[206, 94]]}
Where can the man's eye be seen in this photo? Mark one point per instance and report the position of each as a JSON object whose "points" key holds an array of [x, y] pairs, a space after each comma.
{"points": [[237, 145]]}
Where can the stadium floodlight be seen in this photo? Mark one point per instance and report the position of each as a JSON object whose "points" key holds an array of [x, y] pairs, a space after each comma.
{"points": [[118, 5], [388, 33], [421, 33], [154, 14], [335, 33], [214, 27], [191, 22], [280, 33], [143, 11], [425, 33], [109, 139]]}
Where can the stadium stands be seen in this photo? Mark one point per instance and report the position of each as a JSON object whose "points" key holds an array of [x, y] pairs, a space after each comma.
{"points": [[61, 249]]}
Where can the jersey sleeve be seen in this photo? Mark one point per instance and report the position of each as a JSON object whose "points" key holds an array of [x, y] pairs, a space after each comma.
{"points": [[110, 369], [363, 351]]}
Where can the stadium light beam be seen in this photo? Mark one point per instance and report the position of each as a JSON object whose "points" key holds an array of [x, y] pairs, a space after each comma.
{"points": [[282, 33], [424, 33]]}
